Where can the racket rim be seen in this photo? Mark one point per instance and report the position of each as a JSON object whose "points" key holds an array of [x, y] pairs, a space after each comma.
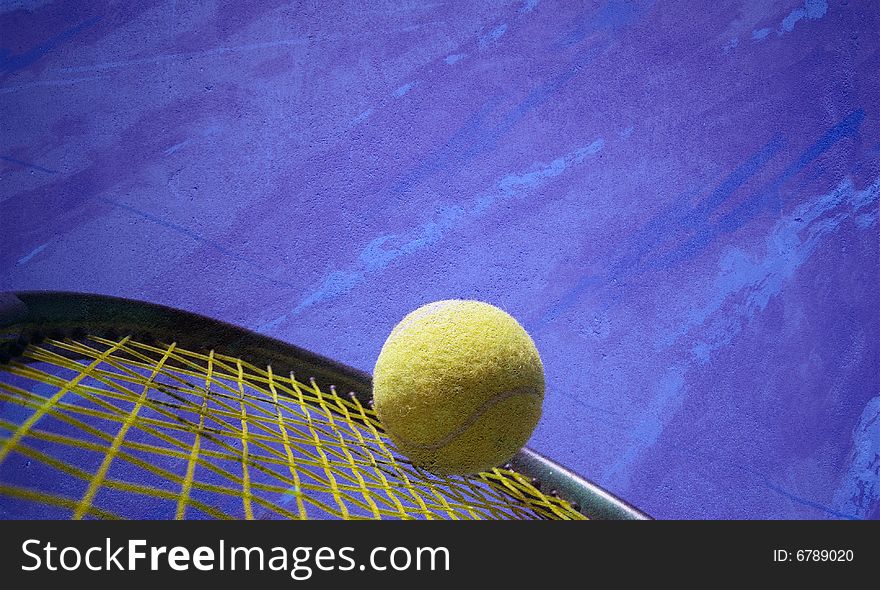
{"points": [[29, 316]]}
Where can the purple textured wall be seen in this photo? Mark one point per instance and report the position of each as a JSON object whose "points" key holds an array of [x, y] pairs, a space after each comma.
{"points": [[678, 199]]}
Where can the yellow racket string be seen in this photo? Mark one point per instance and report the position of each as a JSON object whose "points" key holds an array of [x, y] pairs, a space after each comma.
{"points": [[204, 435]]}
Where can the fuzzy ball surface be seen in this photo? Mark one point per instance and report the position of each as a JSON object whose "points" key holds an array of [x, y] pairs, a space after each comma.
{"points": [[458, 386]]}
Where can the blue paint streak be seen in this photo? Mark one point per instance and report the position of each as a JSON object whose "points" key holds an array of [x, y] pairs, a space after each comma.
{"points": [[731, 45], [859, 489], [641, 243], [766, 199], [380, 252], [816, 9], [789, 245], [667, 397], [789, 21], [810, 503], [642, 252], [492, 36], [743, 173], [363, 116], [476, 137], [177, 146], [454, 151], [769, 198], [848, 127], [661, 229], [812, 10], [209, 131], [27, 165], [698, 219], [27, 257], [12, 63], [404, 89], [613, 16], [455, 58], [571, 297], [528, 6]]}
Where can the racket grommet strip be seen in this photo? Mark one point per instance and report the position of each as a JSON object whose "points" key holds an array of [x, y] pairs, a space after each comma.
{"points": [[15, 350]]}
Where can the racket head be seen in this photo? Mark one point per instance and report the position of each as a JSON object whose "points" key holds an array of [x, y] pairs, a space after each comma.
{"points": [[173, 409]]}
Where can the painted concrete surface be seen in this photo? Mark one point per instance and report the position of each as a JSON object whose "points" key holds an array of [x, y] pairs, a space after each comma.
{"points": [[678, 199]]}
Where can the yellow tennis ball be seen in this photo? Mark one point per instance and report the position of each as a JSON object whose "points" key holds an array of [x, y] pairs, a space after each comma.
{"points": [[458, 386]]}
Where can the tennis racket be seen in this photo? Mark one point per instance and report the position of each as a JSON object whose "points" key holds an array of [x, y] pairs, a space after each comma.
{"points": [[114, 408]]}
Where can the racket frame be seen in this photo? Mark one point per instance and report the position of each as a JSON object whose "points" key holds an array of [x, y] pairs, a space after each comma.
{"points": [[30, 316]]}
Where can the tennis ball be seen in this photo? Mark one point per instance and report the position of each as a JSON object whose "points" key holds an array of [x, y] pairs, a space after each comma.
{"points": [[458, 386]]}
